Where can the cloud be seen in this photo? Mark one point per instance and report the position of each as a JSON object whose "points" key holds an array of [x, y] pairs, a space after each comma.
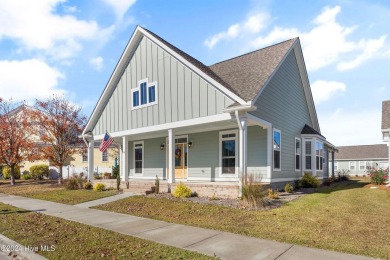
{"points": [[120, 7], [346, 125], [323, 90], [253, 24], [35, 27], [97, 63], [39, 80]]}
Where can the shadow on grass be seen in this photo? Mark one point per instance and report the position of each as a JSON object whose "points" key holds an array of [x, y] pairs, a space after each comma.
{"points": [[342, 185], [28, 182], [7, 211]]}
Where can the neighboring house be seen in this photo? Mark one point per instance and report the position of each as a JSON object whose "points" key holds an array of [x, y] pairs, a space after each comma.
{"points": [[358, 159], [184, 121], [386, 126]]}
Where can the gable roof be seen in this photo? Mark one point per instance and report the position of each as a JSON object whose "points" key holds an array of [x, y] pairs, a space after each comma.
{"points": [[386, 114], [247, 74], [308, 130], [374, 151]]}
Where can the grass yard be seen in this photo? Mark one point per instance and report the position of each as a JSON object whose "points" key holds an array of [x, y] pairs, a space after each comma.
{"points": [[346, 217], [50, 190], [72, 240]]}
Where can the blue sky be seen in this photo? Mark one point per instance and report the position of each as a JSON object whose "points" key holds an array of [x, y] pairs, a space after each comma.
{"points": [[72, 47]]}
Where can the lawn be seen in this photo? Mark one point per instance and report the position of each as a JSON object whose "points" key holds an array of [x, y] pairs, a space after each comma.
{"points": [[71, 240], [50, 190], [346, 217]]}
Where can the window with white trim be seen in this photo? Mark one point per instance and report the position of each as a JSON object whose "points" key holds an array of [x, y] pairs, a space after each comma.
{"points": [[298, 152], [138, 157], [352, 166], [105, 156], [336, 166], [144, 95], [319, 156], [85, 156], [308, 155], [277, 147], [383, 165], [228, 146], [368, 165], [362, 165]]}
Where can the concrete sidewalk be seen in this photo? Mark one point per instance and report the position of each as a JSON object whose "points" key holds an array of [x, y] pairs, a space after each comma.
{"points": [[209, 242], [105, 200]]}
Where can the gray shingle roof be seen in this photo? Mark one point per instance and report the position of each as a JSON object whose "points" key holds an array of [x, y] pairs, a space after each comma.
{"points": [[248, 73], [244, 75], [362, 152], [308, 130], [386, 114]]}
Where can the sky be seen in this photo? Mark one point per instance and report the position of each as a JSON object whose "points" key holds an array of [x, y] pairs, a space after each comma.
{"points": [[70, 48]]}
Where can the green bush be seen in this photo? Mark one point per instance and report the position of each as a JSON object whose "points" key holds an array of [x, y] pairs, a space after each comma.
{"points": [[74, 183], [115, 171], [39, 171], [288, 188], [26, 176], [7, 172], [379, 176], [309, 181], [99, 187], [182, 191], [88, 185]]}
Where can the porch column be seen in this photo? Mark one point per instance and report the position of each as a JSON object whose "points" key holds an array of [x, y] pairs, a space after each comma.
{"points": [[332, 164], [171, 155], [243, 148], [269, 151], [90, 159], [124, 166]]}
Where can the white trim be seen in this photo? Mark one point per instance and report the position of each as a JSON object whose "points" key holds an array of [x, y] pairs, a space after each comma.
{"points": [[188, 151], [138, 88], [273, 150], [167, 126], [300, 154], [106, 151], [354, 164], [143, 157], [362, 163], [320, 166], [308, 154], [227, 175]]}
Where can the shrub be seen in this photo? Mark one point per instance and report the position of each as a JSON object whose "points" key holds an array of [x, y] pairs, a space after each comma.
{"points": [[39, 171], [99, 187], [157, 185], [182, 191], [273, 194], [252, 192], [88, 185], [97, 176], [115, 171], [379, 176], [328, 182], [343, 175], [118, 182], [74, 183], [309, 181], [26, 176], [7, 172], [288, 188]]}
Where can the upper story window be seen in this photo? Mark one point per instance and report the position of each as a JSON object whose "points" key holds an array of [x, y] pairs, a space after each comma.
{"points": [[277, 149], [105, 156], [145, 94]]}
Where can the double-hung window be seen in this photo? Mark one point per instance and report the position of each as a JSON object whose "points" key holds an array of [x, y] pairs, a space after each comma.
{"points": [[145, 94], [319, 156], [228, 151], [307, 155], [297, 154], [105, 156], [368, 165], [138, 157], [362, 165], [277, 147], [352, 166]]}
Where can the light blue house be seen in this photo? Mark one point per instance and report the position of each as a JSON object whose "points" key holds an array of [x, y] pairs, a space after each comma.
{"points": [[181, 120]]}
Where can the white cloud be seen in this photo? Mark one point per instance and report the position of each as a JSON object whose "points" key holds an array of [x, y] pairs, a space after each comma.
{"points": [[70, 9], [97, 63], [28, 79], [354, 126], [120, 7], [278, 34], [35, 26], [323, 90], [254, 24]]}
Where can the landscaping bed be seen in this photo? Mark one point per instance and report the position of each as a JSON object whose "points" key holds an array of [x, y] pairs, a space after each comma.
{"points": [[344, 217], [71, 240]]}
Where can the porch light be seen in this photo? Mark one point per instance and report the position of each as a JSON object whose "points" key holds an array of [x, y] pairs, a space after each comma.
{"points": [[162, 146], [189, 143]]}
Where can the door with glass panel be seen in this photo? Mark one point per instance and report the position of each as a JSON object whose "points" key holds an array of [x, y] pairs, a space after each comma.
{"points": [[180, 157]]}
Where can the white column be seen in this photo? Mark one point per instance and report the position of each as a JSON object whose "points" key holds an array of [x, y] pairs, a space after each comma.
{"points": [[90, 159], [313, 157], [270, 139], [124, 167], [171, 156], [243, 148]]}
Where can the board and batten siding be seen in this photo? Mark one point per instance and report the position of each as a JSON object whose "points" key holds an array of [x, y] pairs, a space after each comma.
{"points": [[283, 104], [182, 94]]}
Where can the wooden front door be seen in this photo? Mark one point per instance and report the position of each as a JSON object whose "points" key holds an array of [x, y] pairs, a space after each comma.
{"points": [[181, 159]]}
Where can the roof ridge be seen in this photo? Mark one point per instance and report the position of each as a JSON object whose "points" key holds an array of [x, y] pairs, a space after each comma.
{"points": [[361, 145], [266, 47]]}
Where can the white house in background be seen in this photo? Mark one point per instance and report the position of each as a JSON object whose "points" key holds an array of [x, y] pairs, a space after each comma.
{"points": [[184, 121]]}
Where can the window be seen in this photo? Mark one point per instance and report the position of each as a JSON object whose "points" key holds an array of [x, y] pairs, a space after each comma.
{"points": [[277, 149], [352, 166], [336, 166], [138, 157], [85, 156], [368, 165], [383, 165], [144, 94], [319, 156], [297, 154], [308, 155], [362, 165], [105, 156], [228, 150]]}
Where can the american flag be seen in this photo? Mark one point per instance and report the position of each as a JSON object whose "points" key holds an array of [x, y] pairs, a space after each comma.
{"points": [[107, 141]]}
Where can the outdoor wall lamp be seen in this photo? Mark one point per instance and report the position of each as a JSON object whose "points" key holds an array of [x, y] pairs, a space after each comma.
{"points": [[162, 146], [189, 143]]}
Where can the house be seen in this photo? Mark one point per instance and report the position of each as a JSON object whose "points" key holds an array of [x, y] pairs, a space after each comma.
{"points": [[181, 120], [386, 126], [358, 159]]}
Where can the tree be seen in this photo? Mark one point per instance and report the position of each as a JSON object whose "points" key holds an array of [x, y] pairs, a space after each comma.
{"points": [[62, 123], [17, 132]]}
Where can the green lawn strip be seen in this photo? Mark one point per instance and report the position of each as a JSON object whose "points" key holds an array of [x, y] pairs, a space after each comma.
{"points": [[72, 240], [345, 217], [53, 192]]}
